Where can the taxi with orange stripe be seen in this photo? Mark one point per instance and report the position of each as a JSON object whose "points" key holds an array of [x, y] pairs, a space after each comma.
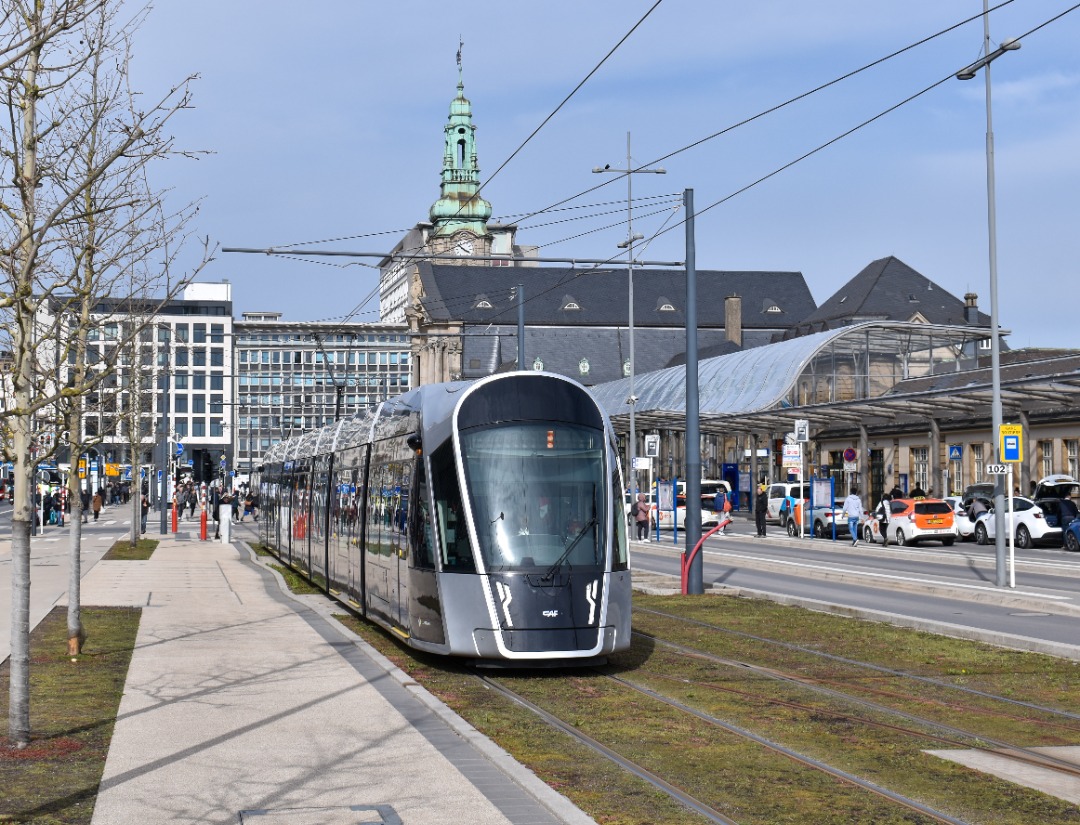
{"points": [[912, 520]]}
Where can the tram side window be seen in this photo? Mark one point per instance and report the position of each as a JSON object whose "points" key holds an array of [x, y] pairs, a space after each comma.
{"points": [[420, 526], [454, 548]]}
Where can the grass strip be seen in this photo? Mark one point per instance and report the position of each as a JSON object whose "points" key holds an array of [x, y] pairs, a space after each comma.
{"points": [[294, 581], [142, 550], [73, 706]]}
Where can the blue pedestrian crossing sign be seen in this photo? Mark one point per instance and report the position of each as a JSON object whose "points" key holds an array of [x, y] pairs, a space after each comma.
{"points": [[1012, 442], [956, 452]]}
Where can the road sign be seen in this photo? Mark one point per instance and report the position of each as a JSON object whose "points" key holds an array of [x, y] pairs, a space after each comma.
{"points": [[82, 468], [997, 469], [642, 462], [850, 454], [1012, 442], [802, 430], [191, 462], [792, 456], [956, 452], [652, 446], [179, 449], [112, 469]]}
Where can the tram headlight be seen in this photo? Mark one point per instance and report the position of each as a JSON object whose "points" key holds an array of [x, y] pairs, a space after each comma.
{"points": [[551, 439]]}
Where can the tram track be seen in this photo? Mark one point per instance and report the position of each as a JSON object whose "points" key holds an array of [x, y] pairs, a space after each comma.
{"points": [[870, 666], [686, 799], [960, 738]]}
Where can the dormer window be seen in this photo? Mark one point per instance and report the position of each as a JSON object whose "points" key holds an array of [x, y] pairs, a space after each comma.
{"points": [[770, 305], [568, 303], [482, 302], [664, 305]]}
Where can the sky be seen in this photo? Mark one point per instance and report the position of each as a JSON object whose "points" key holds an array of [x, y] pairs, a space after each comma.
{"points": [[323, 128]]}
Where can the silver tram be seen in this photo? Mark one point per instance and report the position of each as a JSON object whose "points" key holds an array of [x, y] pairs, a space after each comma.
{"points": [[476, 519]]}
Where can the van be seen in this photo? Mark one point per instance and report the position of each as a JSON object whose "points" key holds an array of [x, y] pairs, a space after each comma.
{"points": [[778, 492]]}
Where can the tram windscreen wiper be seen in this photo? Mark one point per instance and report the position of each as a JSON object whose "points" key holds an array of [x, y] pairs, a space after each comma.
{"points": [[569, 549]]}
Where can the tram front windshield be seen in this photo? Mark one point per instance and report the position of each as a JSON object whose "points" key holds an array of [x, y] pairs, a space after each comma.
{"points": [[537, 493]]}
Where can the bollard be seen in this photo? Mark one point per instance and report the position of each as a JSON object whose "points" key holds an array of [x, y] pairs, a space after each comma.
{"points": [[202, 523], [175, 517]]}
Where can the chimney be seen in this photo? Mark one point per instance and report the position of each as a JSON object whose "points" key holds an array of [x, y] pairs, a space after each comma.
{"points": [[971, 308], [733, 319]]}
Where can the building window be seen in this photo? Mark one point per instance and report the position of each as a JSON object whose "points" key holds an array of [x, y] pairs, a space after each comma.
{"points": [[956, 477], [217, 428], [216, 404], [180, 427], [181, 405], [217, 333], [920, 467], [198, 381], [1046, 454], [978, 462], [198, 403], [198, 428], [1072, 466], [181, 356], [182, 333], [198, 333], [198, 357], [217, 382]]}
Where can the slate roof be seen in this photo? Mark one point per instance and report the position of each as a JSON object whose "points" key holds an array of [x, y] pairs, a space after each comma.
{"points": [[488, 349], [886, 290], [455, 293]]}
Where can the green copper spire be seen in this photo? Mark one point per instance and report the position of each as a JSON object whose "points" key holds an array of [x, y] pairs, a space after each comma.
{"points": [[460, 207]]}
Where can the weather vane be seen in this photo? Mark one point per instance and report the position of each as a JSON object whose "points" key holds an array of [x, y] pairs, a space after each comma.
{"points": [[461, 45]]}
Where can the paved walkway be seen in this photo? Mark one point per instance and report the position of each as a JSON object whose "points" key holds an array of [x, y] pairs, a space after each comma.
{"points": [[244, 703]]}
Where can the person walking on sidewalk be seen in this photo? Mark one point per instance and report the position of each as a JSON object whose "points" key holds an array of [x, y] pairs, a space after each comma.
{"points": [[96, 505], [854, 512], [641, 517], [144, 508]]}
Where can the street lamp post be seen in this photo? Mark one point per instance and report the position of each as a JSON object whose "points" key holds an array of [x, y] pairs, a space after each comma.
{"points": [[991, 220], [628, 244], [164, 466]]}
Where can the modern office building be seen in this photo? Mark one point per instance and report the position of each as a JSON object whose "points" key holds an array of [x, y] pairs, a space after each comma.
{"points": [[295, 376]]}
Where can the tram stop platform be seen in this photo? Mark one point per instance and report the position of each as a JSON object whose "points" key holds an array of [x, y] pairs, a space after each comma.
{"points": [[247, 704]]}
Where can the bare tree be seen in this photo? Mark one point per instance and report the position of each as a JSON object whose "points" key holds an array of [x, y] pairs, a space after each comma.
{"points": [[83, 221]]}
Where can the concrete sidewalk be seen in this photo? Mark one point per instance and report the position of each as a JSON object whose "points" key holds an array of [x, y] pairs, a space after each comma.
{"points": [[244, 703]]}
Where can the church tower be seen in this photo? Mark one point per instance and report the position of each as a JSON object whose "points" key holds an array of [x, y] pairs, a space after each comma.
{"points": [[459, 217]]}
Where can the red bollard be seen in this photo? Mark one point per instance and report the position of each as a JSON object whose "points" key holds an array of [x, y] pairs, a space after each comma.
{"points": [[175, 517], [202, 525]]}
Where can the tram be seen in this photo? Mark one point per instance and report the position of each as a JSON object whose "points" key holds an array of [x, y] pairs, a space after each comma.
{"points": [[473, 519]]}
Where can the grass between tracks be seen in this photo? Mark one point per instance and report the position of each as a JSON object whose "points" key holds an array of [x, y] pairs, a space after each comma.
{"points": [[125, 551], [742, 780], [73, 705]]}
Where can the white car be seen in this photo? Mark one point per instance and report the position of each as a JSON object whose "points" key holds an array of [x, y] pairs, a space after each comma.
{"points": [[965, 527], [1029, 525], [819, 521]]}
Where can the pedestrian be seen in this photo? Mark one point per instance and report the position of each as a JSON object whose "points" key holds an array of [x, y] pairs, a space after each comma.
{"points": [[896, 492], [213, 497], [884, 514], [722, 507], [918, 492], [84, 496], [47, 508], [641, 517], [96, 505], [235, 501], [144, 507], [193, 500], [761, 506], [249, 506], [854, 512]]}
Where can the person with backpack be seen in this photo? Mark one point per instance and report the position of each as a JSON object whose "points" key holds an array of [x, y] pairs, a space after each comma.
{"points": [[722, 506]]}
